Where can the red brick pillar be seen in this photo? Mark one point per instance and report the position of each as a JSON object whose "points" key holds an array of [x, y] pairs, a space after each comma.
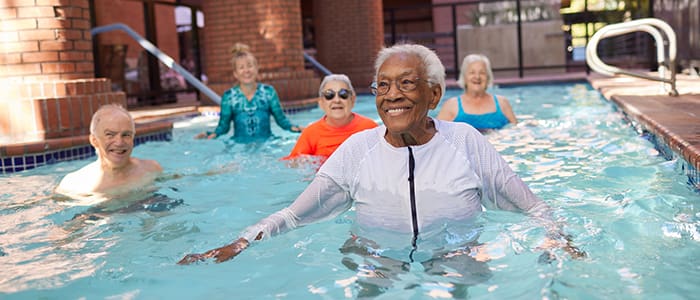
{"points": [[272, 29], [46, 70], [348, 36]]}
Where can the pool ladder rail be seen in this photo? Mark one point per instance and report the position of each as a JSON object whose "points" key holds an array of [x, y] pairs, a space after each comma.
{"points": [[164, 58], [651, 26], [170, 63]]}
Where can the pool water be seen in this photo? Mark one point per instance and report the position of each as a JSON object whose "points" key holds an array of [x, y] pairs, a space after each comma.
{"points": [[631, 210]]}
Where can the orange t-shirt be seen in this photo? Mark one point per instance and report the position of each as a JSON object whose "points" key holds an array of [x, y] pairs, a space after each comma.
{"points": [[320, 139]]}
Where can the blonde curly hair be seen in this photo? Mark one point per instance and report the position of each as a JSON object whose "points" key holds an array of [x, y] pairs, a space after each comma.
{"points": [[241, 50]]}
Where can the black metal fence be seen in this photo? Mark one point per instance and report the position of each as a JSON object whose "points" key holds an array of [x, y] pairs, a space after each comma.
{"points": [[438, 27]]}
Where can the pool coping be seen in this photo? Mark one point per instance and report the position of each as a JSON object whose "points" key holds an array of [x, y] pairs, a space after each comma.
{"points": [[671, 123]]}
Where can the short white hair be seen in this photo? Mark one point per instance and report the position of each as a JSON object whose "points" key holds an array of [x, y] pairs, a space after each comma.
{"points": [[335, 77], [468, 60], [434, 69], [96, 117]]}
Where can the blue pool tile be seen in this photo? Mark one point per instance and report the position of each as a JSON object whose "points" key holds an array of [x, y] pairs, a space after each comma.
{"points": [[9, 165]]}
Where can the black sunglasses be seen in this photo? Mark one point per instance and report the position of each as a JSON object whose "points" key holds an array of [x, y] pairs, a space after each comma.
{"points": [[330, 94]]}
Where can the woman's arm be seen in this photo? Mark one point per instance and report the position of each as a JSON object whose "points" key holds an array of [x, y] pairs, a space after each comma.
{"points": [[278, 113], [448, 111], [507, 109], [221, 254], [225, 116], [304, 143], [504, 189], [322, 199]]}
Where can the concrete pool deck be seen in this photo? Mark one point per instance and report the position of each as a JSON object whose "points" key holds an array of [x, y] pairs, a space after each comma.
{"points": [[673, 120]]}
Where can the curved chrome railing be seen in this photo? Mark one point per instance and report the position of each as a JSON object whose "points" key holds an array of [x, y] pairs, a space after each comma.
{"points": [[317, 64], [164, 58], [649, 25]]}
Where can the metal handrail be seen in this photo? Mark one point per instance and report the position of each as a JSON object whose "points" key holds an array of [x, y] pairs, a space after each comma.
{"points": [[648, 25], [317, 64], [164, 58]]}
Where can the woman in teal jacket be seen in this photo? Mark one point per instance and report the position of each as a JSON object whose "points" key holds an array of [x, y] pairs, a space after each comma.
{"points": [[249, 104]]}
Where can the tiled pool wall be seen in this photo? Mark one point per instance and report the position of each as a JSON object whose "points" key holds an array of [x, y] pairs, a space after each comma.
{"points": [[25, 161], [667, 152], [17, 163], [29, 155]]}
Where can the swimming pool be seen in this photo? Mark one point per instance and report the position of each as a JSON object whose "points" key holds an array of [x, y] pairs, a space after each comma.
{"points": [[631, 210]]}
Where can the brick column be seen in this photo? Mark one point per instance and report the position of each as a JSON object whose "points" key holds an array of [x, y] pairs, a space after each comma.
{"points": [[272, 29], [348, 36], [46, 70]]}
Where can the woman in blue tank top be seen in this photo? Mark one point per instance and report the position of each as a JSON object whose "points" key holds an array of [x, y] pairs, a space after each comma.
{"points": [[475, 106]]}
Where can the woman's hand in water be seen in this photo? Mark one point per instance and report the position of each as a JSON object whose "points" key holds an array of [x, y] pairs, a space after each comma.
{"points": [[566, 244], [221, 254], [204, 135]]}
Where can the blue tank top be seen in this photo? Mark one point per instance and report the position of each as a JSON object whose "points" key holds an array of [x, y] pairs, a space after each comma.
{"points": [[494, 120]]}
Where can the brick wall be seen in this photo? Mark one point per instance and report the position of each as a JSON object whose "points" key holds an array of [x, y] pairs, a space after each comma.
{"points": [[272, 29], [53, 109], [348, 36], [46, 71], [130, 13], [45, 40]]}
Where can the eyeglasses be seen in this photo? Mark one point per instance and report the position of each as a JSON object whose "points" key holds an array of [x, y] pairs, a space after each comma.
{"points": [[342, 93], [380, 88]]}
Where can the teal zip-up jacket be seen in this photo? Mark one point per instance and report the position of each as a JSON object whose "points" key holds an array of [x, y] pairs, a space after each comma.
{"points": [[251, 119]]}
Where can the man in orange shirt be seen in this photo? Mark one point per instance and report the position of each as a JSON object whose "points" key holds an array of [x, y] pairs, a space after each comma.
{"points": [[319, 140]]}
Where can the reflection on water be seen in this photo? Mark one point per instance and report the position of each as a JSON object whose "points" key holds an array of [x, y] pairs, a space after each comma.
{"points": [[38, 253], [628, 208]]}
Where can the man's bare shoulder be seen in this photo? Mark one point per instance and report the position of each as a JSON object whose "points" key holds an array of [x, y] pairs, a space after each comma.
{"points": [[148, 165], [81, 181]]}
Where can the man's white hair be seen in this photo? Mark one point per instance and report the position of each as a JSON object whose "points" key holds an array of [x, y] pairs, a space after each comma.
{"points": [[97, 116]]}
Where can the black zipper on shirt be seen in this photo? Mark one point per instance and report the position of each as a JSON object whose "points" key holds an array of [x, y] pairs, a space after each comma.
{"points": [[414, 215]]}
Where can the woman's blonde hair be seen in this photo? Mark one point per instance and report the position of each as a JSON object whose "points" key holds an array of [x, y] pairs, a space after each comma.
{"points": [[240, 50]]}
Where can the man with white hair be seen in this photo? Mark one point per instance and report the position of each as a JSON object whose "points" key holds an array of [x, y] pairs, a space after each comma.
{"points": [[114, 173]]}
